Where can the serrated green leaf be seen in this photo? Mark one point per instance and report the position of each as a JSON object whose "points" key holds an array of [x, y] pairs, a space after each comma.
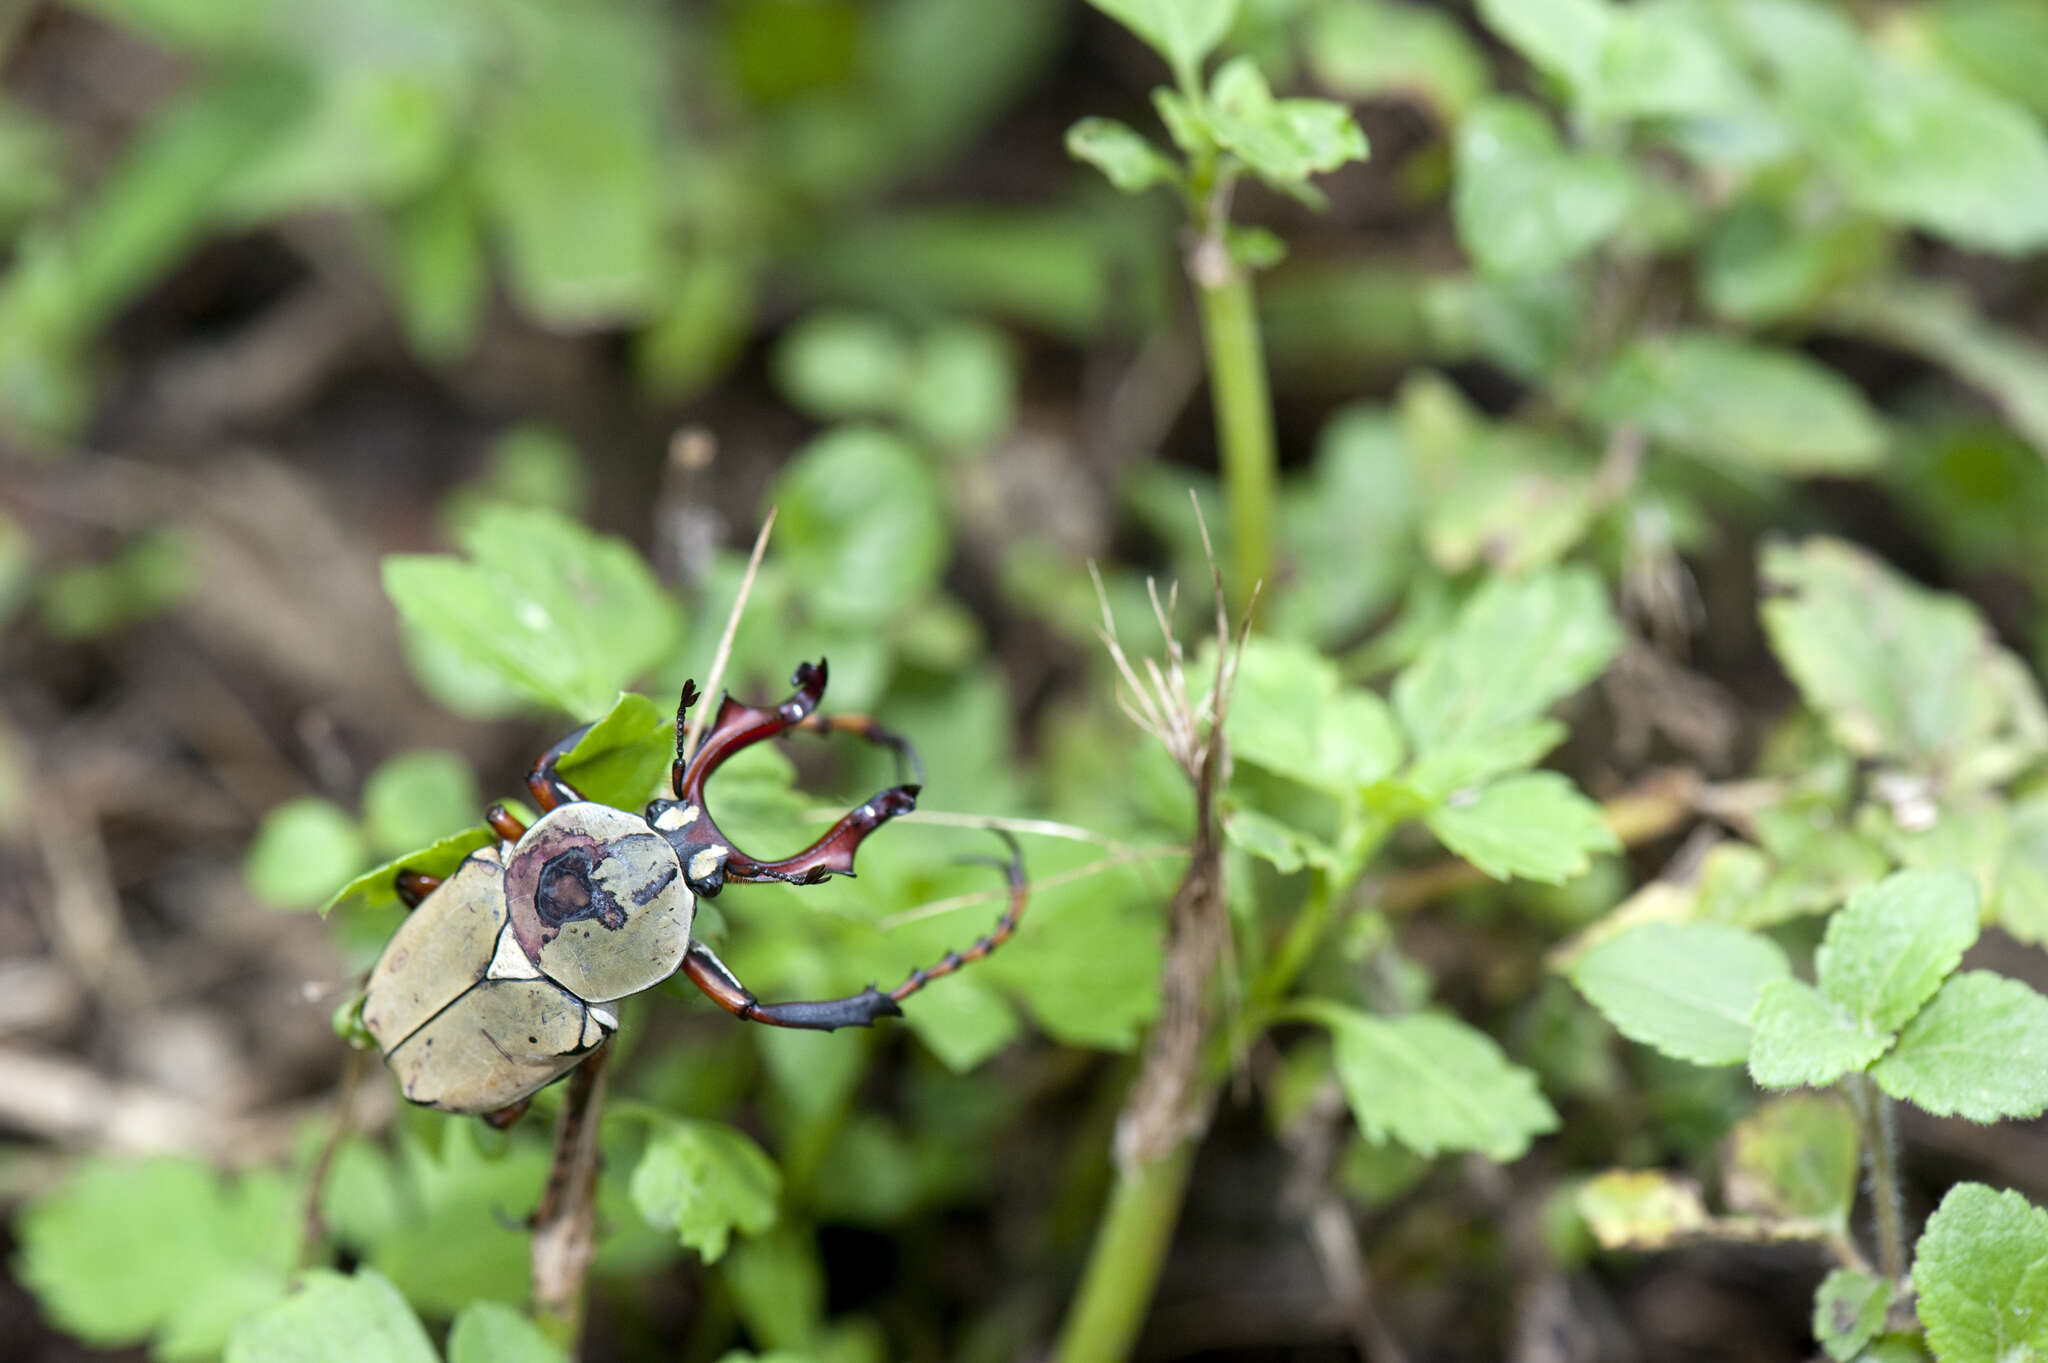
{"points": [[1514, 649], [492, 1332], [1283, 141], [1794, 1159], [1122, 154], [705, 1180], [302, 850], [1688, 989], [1979, 1049], [378, 886], [418, 796], [335, 1318], [1727, 399], [1892, 945], [1981, 1271], [1931, 690], [1290, 714], [1184, 32], [1801, 1037], [1535, 826], [1641, 1209], [1432, 1083], [438, 1193], [192, 1254], [624, 760], [1848, 1311], [564, 616], [861, 524], [1522, 203], [1443, 772]]}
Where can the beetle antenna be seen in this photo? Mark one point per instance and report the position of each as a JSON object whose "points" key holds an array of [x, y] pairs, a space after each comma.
{"points": [[675, 771]]}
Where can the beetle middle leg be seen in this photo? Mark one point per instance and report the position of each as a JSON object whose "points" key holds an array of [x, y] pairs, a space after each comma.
{"points": [[414, 886]]}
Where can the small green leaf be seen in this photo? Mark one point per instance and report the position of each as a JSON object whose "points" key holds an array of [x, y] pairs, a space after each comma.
{"points": [[1981, 1269], [862, 524], [438, 269], [1687, 989], [1535, 826], [335, 1318], [1892, 945], [963, 1027], [191, 1253], [1641, 1209], [1444, 772], [377, 887], [1283, 141], [1516, 647], [1726, 399], [1432, 1083], [1848, 1311], [1184, 32], [1378, 48], [962, 394], [1287, 848], [1979, 1049], [1794, 1159], [1522, 203], [492, 1332], [1801, 1037], [562, 615], [1664, 60], [1122, 154], [1932, 691], [417, 797], [624, 760], [1290, 714], [706, 1180], [1564, 37], [302, 850], [836, 365]]}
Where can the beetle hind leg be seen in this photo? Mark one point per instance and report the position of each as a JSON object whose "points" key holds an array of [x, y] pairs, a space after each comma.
{"points": [[703, 969]]}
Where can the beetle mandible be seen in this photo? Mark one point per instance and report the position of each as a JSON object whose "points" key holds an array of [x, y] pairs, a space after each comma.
{"points": [[500, 981]]}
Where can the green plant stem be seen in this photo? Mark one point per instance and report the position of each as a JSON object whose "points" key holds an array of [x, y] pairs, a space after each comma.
{"points": [[1874, 1114], [1244, 411], [1123, 1266]]}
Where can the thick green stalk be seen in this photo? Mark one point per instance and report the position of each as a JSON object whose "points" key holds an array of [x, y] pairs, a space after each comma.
{"points": [[1244, 411], [1123, 1266]]}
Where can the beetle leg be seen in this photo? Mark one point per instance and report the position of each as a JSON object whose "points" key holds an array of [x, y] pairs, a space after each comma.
{"points": [[546, 784], [703, 969], [414, 886], [1013, 871], [504, 1117], [832, 854], [908, 763], [504, 823]]}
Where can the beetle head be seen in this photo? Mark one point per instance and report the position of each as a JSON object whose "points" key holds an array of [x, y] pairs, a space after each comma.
{"points": [[697, 843]]}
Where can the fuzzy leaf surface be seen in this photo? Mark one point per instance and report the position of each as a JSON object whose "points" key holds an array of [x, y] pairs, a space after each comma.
{"points": [[1688, 989], [1892, 945], [1979, 1049], [1848, 1311], [1801, 1037], [1981, 1269]]}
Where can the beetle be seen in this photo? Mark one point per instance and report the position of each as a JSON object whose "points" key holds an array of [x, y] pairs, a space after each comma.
{"points": [[503, 977]]}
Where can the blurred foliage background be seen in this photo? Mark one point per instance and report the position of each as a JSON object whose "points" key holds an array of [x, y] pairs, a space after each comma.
{"points": [[1621, 292]]}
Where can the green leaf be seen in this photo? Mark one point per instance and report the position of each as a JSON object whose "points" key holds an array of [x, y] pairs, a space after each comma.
{"points": [[1515, 648], [377, 887], [1536, 826], [1932, 691], [1286, 847], [439, 273], [1122, 154], [1892, 945], [1981, 1269], [962, 393], [1979, 1049], [302, 850], [492, 1332], [1349, 525], [1522, 203], [1801, 1037], [1377, 48], [1726, 399], [403, 1215], [562, 615], [1283, 141], [1641, 1209], [335, 1318], [836, 365], [861, 524], [2000, 44], [418, 796], [1290, 714], [1794, 1159], [1687, 989], [706, 1180], [1564, 37], [1432, 1083], [1182, 31], [1663, 59], [963, 1027], [1848, 1311], [190, 1253], [624, 760]]}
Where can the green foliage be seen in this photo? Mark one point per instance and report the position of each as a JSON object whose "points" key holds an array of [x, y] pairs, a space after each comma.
{"points": [[429, 792], [1972, 1050], [335, 1318], [1688, 989], [1535, 826], [861, 523], [1848, 1311], [705, 1181], [1981, 1269], [304, 847], [1795, 1160], [1184, 32], [1524, 204]]}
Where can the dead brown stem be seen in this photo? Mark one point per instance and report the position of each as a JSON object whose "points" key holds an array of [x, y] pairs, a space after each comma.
{"points": [[565, 1223]]}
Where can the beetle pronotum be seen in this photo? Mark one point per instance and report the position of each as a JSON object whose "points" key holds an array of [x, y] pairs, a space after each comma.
{"points": [[498, 983]]}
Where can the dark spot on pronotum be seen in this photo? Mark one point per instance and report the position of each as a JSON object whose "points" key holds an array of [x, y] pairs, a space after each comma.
{"points": [[646, 894], [533, 1041], [567, 892]]}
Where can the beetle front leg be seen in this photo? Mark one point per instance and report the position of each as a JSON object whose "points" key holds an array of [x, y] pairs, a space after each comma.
{"points": [[546, 783], [703, 969], [414, 886]]}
